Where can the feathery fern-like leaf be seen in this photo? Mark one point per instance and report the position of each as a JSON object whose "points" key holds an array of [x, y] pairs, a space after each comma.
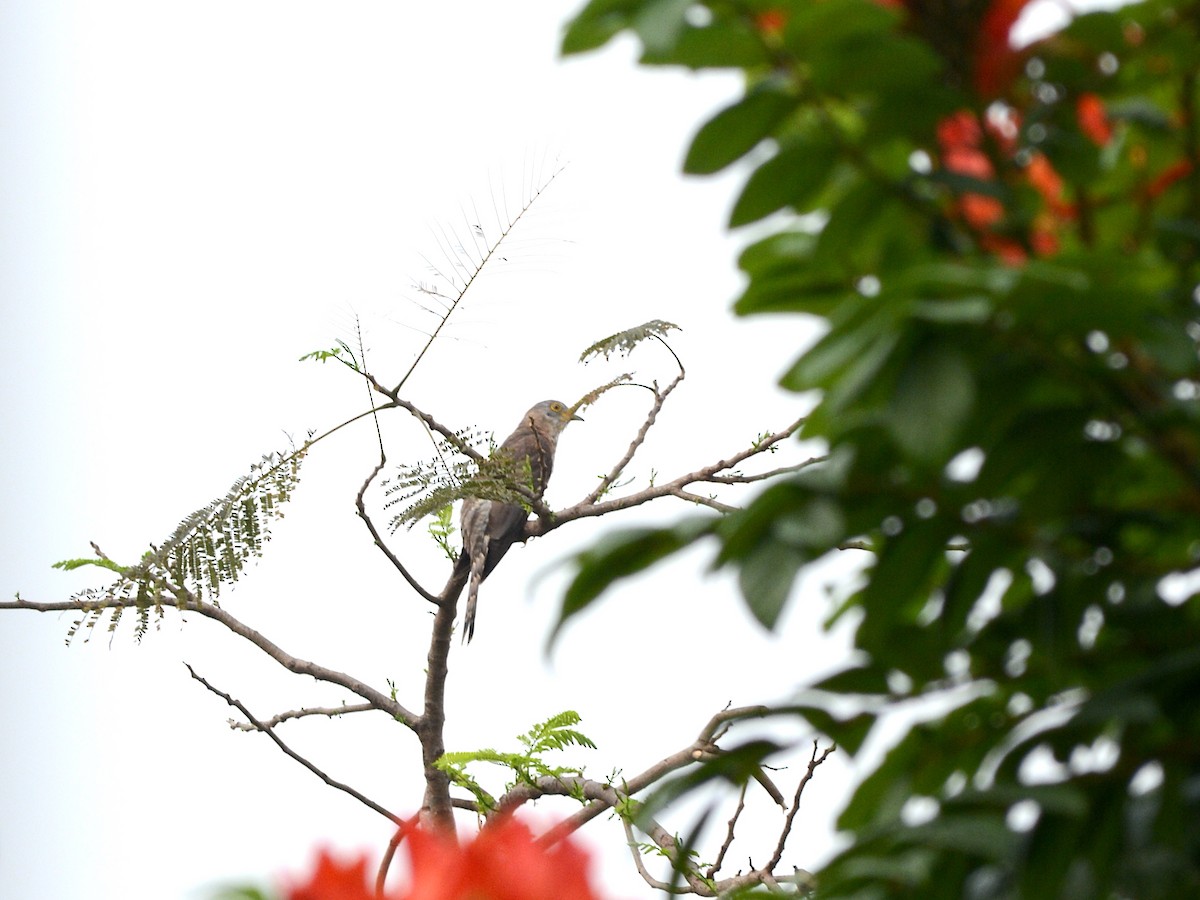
{"points": [[433, 485], [623, 342], [208, 549], [553, 734]]}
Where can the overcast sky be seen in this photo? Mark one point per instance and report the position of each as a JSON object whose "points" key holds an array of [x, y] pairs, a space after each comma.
{"points": [[194, 195]]}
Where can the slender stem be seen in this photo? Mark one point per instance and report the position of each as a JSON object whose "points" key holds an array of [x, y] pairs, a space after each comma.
{"points": [[269, 732]]}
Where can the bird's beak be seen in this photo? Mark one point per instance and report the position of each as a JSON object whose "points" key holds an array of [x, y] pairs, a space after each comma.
{"points": [[575, 419]]}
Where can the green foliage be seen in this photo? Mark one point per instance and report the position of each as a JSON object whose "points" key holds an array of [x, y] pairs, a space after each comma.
{"points": [[427, 487], [340, 353], [68, 565], [623, 342], [527, 765], [208, 549], [737, 766], [622, 554], [441, 528], [1004, 250]]}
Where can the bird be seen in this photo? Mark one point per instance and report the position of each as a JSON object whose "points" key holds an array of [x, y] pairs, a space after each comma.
{"points": [[490, 527]]}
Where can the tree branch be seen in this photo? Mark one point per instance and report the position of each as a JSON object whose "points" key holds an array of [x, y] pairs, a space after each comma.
{"points": [[360, 505], [704, 501], [266, 729], [730, 829], [660, 397], [585, 509], [329, 711], [186, 601], [813, 762], [700, 749]]}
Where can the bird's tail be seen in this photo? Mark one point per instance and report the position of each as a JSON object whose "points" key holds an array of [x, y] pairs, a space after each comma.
{"points": [[469, 615]]}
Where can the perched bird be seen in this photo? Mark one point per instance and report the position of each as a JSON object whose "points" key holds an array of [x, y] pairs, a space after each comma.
{"points": [[490, 527]]}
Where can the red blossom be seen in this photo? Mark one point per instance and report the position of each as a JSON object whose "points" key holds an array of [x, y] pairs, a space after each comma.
{"points": [[503, 862], [960, 142], [1008, 250], [334, 880], [771, 21], [1047, 182], [997, 64], [959, 137], [1093, 119], [1167, 177]]}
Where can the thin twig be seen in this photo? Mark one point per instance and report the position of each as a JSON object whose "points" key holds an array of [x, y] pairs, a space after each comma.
{"points": [[328, 711], [587, 509], [654, 883], [360, 505], [710, 502], [388, 854], [730, 828], [660, 398], [260, 726], [476, 269], [813, 762]]}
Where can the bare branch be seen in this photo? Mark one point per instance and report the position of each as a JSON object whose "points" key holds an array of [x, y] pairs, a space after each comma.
{"points": [[360, 505], [730, 828], [586, 508], [266, 729], [654, 883], [813, 762], [704, 501], [762, 476], [186, 601], [437, 805], [431, 423], [660, 397], [328, 711]]}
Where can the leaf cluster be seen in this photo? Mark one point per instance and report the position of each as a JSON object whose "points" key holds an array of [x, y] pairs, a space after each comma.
{"points": [[527, 765], [1012, 413], [426, 488], [209, 548], [624, 342]]}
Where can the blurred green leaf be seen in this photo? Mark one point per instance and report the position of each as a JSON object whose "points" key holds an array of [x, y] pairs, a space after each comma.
{"points": [[738, 128], [620, 555]]}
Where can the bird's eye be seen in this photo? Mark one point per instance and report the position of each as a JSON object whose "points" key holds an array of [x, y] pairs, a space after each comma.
{"points": [[556, 406]]}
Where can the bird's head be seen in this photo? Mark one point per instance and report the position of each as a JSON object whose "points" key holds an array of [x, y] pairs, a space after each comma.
{"points": [[554, 413]]}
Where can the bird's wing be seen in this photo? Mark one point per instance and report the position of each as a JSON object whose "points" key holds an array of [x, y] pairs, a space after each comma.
{"points": [[505, 526]]}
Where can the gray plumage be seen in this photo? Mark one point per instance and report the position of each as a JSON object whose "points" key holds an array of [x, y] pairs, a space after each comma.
{"points": [[490, 527]]}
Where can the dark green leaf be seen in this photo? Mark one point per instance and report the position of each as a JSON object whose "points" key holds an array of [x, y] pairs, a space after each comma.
{"points": [[620, 555], [789, 178], [738, 129]]}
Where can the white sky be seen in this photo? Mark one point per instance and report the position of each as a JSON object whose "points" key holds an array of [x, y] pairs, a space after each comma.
{"points": [[194, 195]]}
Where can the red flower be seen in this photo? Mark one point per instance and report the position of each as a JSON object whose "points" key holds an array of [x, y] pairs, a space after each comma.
{"points": [[335, 881], [960, 141], [1047, 182], [503, 862], [959, 136], [771, 21], [996, 62], [1093, 119], [1167, 177]]}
